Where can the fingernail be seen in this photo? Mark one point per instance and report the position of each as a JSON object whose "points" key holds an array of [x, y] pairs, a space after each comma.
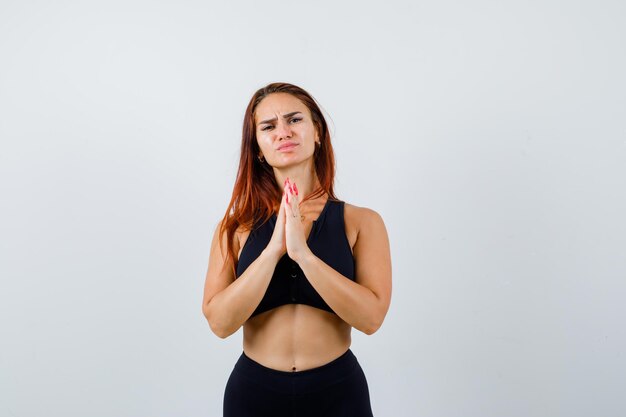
{"points": [[287, 198], [295, 188]]}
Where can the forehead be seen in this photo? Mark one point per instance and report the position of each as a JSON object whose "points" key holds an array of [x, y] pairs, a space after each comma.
{"points": [[278, 104]]}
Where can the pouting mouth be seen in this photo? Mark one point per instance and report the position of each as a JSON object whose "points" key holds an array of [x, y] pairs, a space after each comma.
{"points": [[287, 145]]}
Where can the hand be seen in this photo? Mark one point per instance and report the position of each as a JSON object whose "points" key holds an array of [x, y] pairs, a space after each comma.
{"points": [[294, 229], [277, 242]]}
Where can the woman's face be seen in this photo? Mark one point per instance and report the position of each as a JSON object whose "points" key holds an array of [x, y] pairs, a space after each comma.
{"points": [[284, 130]]}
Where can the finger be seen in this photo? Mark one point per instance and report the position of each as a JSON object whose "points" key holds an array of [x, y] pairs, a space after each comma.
{"points": [[289, 195], [288, 192], [294, 200], [288, 206], [286, 184], [293, 197]]}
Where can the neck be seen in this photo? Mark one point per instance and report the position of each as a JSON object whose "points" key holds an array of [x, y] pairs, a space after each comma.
{"points": [[305, 180]]}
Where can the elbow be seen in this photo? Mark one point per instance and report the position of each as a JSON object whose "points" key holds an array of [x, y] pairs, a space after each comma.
{"points": [[373, 326], [216, 326], [219, 326], [370, 330], [218, 331]]}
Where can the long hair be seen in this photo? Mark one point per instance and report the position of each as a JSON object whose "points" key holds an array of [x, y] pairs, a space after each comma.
{"points": [[256, 193]]}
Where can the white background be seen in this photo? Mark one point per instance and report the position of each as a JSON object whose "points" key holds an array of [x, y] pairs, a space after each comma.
{"points": [[489, 135]]}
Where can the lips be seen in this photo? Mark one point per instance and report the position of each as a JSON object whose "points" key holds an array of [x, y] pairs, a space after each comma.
{"points": [[287, 146]]}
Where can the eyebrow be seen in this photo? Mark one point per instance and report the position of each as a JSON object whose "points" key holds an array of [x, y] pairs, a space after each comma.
{"points": [[285, 116]]}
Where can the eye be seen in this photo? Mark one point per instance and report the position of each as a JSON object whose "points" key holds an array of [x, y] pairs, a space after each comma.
{"points": [[266, 127], [297, 119]]}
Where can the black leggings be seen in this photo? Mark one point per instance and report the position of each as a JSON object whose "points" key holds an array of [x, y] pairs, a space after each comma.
{"points": [[336, 389]]}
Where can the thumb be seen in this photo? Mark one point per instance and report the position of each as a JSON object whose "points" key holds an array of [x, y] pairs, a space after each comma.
{"points": [[281, 210]]}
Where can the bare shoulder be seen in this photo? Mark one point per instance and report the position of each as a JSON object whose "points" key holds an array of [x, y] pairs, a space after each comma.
{"points": [[357, 219]]}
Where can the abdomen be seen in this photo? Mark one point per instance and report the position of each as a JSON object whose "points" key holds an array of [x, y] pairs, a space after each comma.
{"points": [[295, 335]]}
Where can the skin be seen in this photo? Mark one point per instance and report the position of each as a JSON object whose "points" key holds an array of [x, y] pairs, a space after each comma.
{"points": [[297, 337]]}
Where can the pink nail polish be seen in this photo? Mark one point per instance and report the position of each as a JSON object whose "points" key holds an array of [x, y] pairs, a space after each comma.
{"points": [[295, 188]]}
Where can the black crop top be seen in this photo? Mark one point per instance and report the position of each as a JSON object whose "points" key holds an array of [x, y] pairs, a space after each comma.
{"points": [[327, 240]]}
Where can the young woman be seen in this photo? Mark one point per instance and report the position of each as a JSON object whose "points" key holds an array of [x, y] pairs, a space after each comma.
{"points": [[296, 267]]}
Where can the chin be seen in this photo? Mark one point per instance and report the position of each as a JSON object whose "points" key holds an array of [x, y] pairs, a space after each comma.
{"points": [[293, 161]]}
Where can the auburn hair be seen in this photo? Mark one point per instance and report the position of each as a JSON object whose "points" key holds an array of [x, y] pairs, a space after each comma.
{"points": [[256, 193]]}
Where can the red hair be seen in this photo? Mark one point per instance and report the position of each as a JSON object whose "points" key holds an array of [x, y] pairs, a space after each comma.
{"points": [[256, 193]]}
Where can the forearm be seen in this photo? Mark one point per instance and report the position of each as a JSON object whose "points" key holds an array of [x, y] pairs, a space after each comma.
{"points": [[230, 308], [356, 304]]}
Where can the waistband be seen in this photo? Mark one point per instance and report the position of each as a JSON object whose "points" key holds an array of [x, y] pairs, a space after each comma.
{"points": [[301, 381]]}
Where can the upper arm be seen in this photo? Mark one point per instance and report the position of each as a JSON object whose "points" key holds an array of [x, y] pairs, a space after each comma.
{"points": [[373, 258], [218, 275]]}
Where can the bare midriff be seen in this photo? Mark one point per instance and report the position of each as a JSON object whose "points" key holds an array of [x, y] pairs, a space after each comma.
{"points": [[295, 337]]}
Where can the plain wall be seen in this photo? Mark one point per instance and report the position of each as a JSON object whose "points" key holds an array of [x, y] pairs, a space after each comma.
{"points": [[490, 136]]}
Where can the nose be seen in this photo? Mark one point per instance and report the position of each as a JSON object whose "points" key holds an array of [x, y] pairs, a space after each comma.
{"points": [[283, 130]]}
